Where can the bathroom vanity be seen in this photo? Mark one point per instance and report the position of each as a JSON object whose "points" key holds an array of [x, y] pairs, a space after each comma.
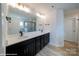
{"points": [[26, 34], [28, 47]]}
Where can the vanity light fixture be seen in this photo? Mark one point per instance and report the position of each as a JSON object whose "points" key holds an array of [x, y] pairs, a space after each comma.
{"points": [[20, 6], [40, 15], [12, 4], [27, 9], [24, 8], [37, 14]]}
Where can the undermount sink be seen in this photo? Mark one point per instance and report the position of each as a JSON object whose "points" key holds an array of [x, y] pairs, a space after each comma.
{"points": [[22, 37]]}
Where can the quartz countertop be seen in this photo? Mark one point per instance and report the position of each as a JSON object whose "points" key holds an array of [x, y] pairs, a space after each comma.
{"points": [[13, 39]]}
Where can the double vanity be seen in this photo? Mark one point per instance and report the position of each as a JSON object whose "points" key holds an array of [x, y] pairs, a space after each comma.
{"points": [[29, 46], [25, 34]]}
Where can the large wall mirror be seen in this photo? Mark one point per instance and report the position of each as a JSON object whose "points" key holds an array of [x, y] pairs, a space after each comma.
{"points": [[18, 20]]}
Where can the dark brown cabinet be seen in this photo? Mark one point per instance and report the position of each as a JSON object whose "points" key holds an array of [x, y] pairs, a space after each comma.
{"points": [[37, 44], [28, 47]]}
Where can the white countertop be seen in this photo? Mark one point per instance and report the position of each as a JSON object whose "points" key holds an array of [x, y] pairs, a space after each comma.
{"points": [[13, 39]]}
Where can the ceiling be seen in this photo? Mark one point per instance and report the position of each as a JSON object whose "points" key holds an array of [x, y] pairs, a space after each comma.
{"points": [[65, 6], [47, 7]]}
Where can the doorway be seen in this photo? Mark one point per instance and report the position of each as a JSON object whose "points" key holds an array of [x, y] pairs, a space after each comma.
{"points": [[71, 36]]}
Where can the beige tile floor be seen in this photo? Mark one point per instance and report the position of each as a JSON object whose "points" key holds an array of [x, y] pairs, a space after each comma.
{"points": [[69, 49], [49, 51]]}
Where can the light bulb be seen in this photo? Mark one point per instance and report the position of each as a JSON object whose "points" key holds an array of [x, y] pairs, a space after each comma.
{"points": [[12, 4], [21, 23], [41, 16]]}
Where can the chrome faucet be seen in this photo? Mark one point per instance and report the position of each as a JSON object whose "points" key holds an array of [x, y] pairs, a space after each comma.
{"points": [[21, 33]]}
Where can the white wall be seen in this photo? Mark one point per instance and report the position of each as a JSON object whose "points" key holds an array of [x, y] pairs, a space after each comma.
{"points": [[0, 28], [57, 28], [1, 34], [4, 23]]}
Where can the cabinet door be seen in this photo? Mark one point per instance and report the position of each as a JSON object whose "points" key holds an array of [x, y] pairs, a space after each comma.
{"points": [[37, 45], [46, 38], [29, 49], [11, 51], [42, 41]]}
